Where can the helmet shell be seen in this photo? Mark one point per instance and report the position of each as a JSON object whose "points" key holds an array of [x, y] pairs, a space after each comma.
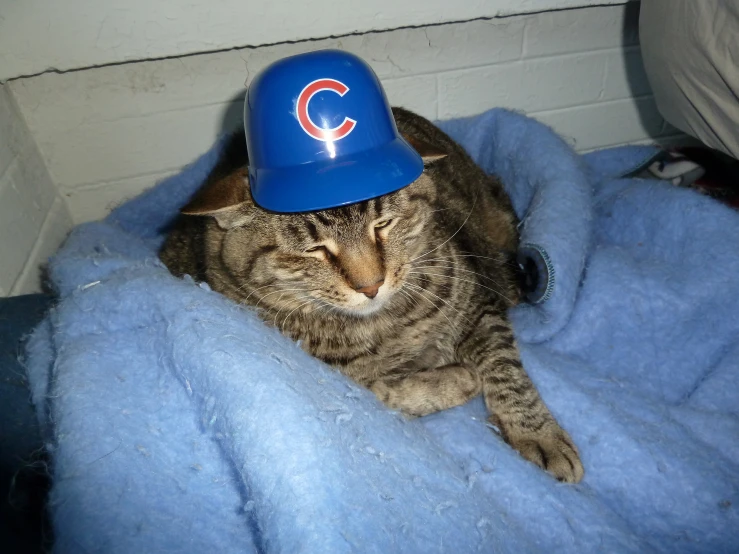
{"points": [[320, 134]]}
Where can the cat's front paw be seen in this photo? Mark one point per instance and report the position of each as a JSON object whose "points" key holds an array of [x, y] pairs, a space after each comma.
{"points": [[551, 449]]}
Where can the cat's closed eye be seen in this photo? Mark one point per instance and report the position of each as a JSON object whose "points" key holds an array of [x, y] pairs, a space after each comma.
{"points": [[383, 227]]}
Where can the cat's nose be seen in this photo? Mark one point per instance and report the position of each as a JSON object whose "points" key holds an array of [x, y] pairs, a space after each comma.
{"points": [[370, 291]]}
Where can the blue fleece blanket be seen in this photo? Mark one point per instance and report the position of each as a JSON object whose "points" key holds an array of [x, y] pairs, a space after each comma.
{"points": [[177, 422]]}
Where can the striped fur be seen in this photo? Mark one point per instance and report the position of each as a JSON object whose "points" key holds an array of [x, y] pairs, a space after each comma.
{"points": [[435, 334]]}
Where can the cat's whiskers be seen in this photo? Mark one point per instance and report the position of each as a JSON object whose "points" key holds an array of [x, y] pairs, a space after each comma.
{"points": [[459, 254], [283, 291], [330, 308], [408, 296], [496, 291], [423, 274], [297, 299], [462, 254], [418, 292], [321, 305], [457, 269], [241, 287], [472, 209], [252, 292], [471, 255], [270, 308], [440, 298], [293, 310]]}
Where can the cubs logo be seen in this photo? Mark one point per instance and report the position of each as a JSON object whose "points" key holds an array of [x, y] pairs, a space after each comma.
{"points": [[325, 135]]}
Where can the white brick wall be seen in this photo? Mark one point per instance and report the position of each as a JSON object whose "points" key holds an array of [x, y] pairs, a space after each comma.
{"points": [[34, 218], [84, 33], [108, 133]]}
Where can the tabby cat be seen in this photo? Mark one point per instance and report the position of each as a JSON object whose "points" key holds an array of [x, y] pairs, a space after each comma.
{"points": [[406, 293]]}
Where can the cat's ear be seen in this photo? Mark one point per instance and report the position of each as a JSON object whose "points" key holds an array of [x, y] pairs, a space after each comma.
{"points": [[228, 200], [428, 152]]}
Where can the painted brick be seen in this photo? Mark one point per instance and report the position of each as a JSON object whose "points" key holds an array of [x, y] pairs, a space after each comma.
{"points": [[102, 151], [625, 75], [144, 88], [583, 30], [605, 124], [133, 146], [64, 101], [156, 150], [120, 129], [53, 232], [533, 85], [440, 48], [7, 151], [93, 203], [51, 103], [33, 180], [131, 90], [26, 194], [21, 217], [415, 93], [13, 135]]}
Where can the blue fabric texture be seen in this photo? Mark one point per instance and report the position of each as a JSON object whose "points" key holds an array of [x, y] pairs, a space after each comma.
{"points": [[178, 422]]}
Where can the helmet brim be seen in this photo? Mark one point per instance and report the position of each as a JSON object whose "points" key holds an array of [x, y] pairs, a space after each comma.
{"points": [[338, 182]]}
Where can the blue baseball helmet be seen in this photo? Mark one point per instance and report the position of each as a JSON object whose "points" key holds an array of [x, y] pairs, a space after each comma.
{"points": [[320, 134]]}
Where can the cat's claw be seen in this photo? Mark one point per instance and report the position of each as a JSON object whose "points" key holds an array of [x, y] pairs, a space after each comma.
{"points": [[552, 450]]}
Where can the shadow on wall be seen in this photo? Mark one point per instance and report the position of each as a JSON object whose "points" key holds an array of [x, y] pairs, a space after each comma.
{"points": [[634, 67], [232, 117]]}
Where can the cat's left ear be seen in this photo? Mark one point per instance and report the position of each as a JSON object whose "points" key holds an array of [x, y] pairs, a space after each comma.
{"points": [[228, 200], [428, 152]]}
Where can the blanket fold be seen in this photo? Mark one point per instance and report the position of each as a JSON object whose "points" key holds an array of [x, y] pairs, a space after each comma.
{"points": [[178, 422]]}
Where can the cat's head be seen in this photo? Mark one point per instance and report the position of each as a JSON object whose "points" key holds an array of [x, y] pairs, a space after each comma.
{"points": [[353, 259]]}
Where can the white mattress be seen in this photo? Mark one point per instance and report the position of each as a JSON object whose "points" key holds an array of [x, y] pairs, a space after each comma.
{"points": [[691, 53]]}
